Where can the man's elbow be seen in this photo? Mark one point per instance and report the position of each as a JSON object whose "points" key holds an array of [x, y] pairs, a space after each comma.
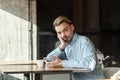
{"points": [[92, 66]]}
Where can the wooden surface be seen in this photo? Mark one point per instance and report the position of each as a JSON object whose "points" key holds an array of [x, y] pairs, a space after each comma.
{"points": [[31, 67], [18, 62], [35, 69]]}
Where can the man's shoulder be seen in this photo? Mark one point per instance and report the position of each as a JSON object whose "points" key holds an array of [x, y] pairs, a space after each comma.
{"points": [[82, 37]]}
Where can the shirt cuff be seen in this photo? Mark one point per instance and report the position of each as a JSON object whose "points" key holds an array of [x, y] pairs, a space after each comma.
{"points": [[59, 51], [65, 63]]}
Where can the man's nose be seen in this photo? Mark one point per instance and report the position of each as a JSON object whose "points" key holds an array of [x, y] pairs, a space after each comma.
{"points": [[63, 34]]}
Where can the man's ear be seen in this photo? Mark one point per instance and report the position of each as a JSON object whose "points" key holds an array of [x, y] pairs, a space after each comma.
{"points": [[72, 27]]}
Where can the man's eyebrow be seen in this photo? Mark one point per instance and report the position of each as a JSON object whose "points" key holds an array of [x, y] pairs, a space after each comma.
{"points": [[64, 29]]}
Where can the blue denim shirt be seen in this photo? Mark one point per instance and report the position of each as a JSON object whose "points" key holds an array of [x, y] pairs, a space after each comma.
{"points": [[79, 53]]}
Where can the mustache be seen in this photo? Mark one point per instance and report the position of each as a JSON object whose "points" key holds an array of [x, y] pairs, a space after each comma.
{"points": [[65, 37]]}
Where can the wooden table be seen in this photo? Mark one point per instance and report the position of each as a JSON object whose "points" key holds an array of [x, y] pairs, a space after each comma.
{"points": [[27, 67], [30, 65]]}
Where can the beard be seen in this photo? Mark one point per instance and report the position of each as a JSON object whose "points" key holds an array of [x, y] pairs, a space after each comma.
{"points": [[66, 38]]}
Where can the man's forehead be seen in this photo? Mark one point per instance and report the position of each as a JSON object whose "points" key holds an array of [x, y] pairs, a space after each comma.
{"points": [[61, 28]]}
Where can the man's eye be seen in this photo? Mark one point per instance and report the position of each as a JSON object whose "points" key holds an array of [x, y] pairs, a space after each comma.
{"points": [[66, 29], [59, 33]]}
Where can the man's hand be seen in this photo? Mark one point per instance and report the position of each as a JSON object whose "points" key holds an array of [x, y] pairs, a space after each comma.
{"points": [[63, 44], [57, 62]]}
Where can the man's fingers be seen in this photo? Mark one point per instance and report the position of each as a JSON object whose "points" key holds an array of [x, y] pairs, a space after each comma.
{"points": [[54, 57]]}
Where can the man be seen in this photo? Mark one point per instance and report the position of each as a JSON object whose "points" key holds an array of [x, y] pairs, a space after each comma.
{"points": [[74, 51]]}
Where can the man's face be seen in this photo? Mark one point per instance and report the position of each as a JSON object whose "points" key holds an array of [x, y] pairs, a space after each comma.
{"points": [[65, 31]]}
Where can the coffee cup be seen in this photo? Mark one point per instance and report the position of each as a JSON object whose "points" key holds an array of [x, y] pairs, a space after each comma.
{"points": [[40, 63]]}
